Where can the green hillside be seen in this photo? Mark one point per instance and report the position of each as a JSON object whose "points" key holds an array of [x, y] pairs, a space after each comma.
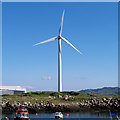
{"points": [[109, 91]]}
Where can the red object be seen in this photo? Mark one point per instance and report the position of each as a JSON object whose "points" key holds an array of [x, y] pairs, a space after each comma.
{"points": [[36, 114], [67, 114], [19, 109], [6, 118]]}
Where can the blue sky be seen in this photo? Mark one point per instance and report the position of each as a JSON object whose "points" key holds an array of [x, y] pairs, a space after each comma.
{"points": [[90, 27]]}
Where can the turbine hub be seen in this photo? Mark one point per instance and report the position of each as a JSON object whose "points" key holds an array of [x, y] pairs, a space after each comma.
{"points": [[59, 37]]}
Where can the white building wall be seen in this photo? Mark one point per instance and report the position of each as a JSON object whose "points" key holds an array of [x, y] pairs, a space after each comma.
{"points": [[11, 90]]}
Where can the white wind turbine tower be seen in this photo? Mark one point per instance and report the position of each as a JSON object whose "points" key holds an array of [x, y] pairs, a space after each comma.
{"points": [[59, 53]]}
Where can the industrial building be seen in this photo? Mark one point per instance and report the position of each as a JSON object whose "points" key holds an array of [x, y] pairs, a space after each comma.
{"points": [[11, 90]]}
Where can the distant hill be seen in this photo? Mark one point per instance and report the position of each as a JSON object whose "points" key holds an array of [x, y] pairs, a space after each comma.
{"points": [[109, 91]]}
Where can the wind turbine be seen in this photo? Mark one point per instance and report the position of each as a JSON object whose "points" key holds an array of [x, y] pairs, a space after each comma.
{"points": [[59, 52]]}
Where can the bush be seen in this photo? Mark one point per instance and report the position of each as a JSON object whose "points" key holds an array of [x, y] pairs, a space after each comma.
{"points": [[55, 94]]}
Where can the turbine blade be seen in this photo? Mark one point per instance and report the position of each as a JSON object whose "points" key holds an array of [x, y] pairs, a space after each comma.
{"points": [[54, 38], [60, 30], [70, 44]]}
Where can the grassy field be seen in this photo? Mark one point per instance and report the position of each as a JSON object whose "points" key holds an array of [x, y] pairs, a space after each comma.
{"points": [[53, 97]]}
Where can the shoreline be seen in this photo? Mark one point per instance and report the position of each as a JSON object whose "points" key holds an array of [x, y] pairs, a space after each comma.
{"points": [[37, 102], [8, 108]]}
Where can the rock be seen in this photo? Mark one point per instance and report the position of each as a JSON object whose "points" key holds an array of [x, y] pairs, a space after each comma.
{"points": [[93, 104]]}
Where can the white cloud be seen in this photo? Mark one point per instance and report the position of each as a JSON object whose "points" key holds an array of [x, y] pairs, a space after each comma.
{"points": [[46, 77]]}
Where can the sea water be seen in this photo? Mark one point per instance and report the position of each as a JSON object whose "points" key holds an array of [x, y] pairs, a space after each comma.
{"points": [[77, 116]]}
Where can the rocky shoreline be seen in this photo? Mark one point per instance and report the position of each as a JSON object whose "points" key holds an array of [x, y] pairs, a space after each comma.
{"points": [[103, 104]]}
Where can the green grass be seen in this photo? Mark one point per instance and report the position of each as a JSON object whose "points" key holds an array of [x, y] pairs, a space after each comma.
{"points": [[45, 96]]}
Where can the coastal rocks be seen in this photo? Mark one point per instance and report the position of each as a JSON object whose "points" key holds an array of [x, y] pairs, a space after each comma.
{"points": [[85, 105], [8, 108]]}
